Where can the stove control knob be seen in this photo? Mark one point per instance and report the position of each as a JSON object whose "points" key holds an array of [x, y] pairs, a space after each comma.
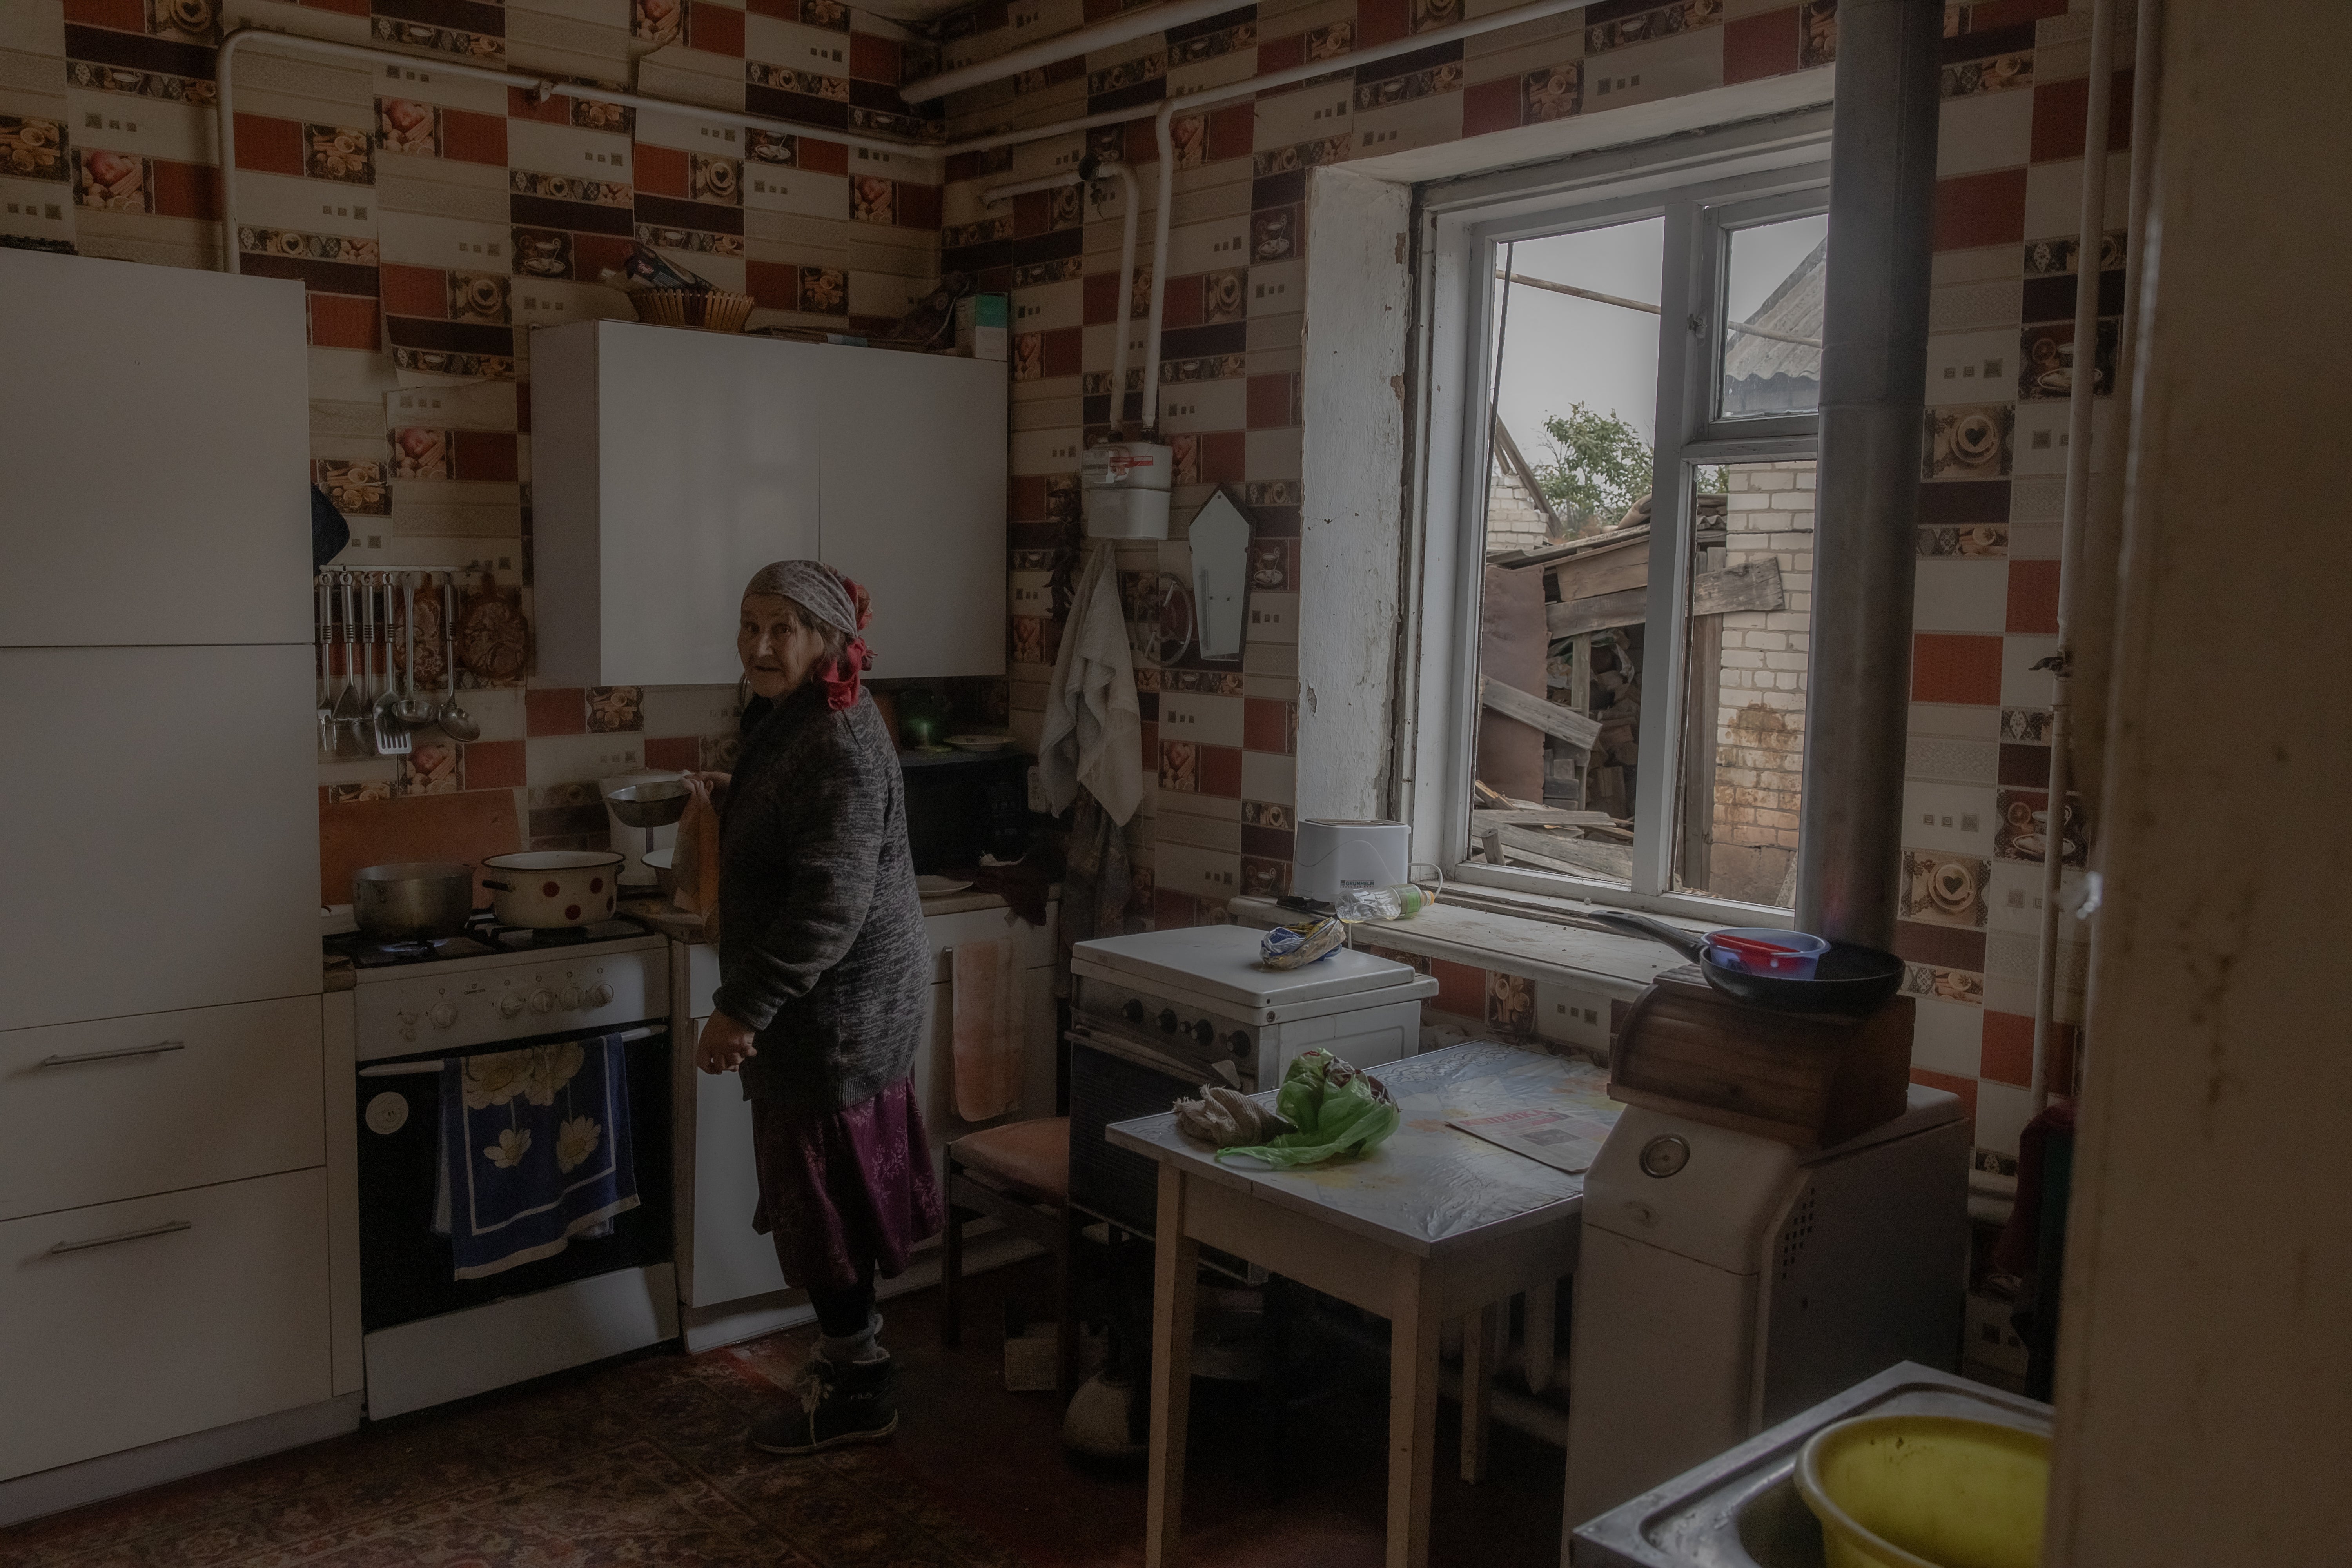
{"points": [[1168, 1020], [510, 1004], [1238, 1042], [1132, 1012], [444, 1016], [571, 998], [599, 995], [1203, 1031], [543, 1000]]}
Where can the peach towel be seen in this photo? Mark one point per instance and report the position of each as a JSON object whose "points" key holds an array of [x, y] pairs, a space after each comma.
{"points": [[985, 990]]}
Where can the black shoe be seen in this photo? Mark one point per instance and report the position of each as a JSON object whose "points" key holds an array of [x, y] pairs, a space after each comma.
{"points": [[838, 1405]]}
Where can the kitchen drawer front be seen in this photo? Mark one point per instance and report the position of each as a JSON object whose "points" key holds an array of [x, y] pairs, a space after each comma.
{"points": [[211, 1308], [91, 1114]]}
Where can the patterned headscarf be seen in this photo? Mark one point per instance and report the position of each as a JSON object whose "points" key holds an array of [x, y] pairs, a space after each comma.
{"points": [[833, 599]]}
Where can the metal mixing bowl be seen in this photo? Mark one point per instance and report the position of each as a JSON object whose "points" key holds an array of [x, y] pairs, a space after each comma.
{"points": [[654, 805]]}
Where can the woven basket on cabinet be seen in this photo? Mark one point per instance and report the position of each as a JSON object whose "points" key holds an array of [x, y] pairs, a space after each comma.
{"points": [[712, 312]]}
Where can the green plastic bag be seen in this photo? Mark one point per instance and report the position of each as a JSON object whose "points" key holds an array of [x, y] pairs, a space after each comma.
{"points": [[1337, 1109]]}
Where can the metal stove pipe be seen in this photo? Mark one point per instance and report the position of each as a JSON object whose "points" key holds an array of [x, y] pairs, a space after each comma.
{"points": [[1873, 379]]}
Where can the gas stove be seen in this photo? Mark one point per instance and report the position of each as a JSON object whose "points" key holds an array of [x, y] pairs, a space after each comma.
{"points": [[502, 982], [483, 936]]}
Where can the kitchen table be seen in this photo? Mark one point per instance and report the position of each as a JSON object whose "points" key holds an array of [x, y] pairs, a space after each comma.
{"points": [[1434, 1224]]}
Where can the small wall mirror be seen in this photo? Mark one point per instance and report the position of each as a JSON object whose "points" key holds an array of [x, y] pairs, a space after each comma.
{"points": [[1221, 572]]}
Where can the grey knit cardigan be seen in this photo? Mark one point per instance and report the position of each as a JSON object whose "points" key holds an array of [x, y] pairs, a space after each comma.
{"points": [[821, 947]]}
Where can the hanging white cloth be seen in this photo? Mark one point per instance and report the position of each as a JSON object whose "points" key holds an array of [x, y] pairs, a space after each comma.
{"points": [[1094, 726]]}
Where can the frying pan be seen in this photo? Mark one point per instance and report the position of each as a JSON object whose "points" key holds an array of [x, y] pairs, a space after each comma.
{"points": [[1851, 982]]}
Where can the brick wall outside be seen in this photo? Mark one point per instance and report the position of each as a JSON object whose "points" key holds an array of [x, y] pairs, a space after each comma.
{"points": [[1760, 704]]}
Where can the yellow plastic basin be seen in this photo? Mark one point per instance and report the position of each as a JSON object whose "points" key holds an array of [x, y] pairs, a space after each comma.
{"points": [[1927, 1491]]}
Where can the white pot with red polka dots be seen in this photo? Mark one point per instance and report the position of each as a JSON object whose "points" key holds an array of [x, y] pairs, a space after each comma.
{"points": [[550, 888]]}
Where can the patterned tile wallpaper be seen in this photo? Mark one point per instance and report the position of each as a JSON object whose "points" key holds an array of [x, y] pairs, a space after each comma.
{"points": [[430, 218], [1219, 741]]}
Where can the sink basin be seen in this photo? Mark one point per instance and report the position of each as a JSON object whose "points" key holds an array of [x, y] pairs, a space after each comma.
{"points": [[1741, 1510]]}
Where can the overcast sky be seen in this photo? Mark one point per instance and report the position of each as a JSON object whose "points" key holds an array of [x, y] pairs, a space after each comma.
{"points": [[1562, 351]]}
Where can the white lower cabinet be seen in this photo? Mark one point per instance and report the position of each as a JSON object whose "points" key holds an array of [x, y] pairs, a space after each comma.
{"points": [[95, 1112], [727, 1260], [133, 1322]]}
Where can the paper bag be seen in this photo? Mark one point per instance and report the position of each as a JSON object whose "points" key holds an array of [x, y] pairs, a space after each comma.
{"points": [[694, 869]]}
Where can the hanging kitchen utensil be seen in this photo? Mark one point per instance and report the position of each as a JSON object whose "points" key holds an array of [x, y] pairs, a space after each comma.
{"points": [[323, 633], [454, 721], [493, 637], [1848, 980], [351, 707], [390, 739], [413, 712]]}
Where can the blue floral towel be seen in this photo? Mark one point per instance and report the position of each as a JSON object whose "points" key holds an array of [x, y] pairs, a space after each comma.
{"points": [[535, 1144]]}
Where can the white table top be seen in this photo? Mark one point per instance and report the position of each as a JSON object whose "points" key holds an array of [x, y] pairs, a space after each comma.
{"points": [[1431, 1188]]}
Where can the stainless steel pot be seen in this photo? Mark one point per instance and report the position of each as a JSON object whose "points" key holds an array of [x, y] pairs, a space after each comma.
{"points": [[413, 900], [550, 888]]}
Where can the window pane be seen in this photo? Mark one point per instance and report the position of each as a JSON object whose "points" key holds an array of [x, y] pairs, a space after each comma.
{"points": [[1772, 319], [1567, 520], [1744, 703]]}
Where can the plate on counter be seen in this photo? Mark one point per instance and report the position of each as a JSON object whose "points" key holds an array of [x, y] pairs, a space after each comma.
{"points": [[982, 743], [939, 887]]}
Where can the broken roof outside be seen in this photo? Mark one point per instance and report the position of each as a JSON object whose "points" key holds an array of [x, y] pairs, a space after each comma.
{"points": [[1772, 375]]}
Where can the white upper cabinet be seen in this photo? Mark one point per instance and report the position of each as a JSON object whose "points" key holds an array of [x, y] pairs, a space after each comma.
{"points": [[158, 472], [669, 465]]}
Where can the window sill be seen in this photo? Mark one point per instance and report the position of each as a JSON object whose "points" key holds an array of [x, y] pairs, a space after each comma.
{"points": [[1517, 933]]}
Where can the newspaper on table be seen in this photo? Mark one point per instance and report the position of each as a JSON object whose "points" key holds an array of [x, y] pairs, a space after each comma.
{"points": [[1561, 1140]]}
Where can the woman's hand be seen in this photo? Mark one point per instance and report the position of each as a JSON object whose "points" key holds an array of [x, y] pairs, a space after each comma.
{"points": [[708, 787], [724, 1044]]}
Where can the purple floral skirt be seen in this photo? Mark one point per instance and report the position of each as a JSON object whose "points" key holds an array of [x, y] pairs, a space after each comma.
{"points": [[846, 1194]]}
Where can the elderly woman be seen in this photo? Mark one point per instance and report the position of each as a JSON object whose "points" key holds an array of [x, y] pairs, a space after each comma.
{"points": [[821, 961]]}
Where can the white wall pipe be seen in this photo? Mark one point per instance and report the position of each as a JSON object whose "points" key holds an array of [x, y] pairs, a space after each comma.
{"points": [[2080, 410], [1123, 29], [1131, 200], [1206, 96], [542, 88]]}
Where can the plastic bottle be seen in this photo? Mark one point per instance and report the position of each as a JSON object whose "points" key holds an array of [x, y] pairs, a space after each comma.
{"points": [[1400, 901]]}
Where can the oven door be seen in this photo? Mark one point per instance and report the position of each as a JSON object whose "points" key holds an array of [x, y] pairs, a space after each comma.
{"points": [[406, 1271], [1116, 1078]]}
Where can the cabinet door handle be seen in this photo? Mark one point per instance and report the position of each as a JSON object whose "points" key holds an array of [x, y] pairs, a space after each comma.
{"points": [[166, 1228], [157, 1049]]}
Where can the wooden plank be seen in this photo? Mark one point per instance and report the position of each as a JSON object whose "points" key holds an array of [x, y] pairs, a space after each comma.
{"points": [[1511, 702], [1701, 693], [1579, 856], [1753, 586], [1482, 817], [1602, 572]]}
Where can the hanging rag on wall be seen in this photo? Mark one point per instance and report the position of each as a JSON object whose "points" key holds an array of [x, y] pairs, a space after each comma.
{"points": [[1095, 884], [1094, 726], [984, 991], [534, 1151]]}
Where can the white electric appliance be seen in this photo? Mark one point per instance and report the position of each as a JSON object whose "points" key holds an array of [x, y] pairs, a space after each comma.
{"points": [[1158, 1015], [1727, 1281], [428, 1337], [1336, 857]]}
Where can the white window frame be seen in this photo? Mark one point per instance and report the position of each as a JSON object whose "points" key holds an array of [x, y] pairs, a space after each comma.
{"points": [[1704, 186]]}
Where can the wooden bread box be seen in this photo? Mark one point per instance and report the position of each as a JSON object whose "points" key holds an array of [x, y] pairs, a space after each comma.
{"points": [[1811, 1080]]}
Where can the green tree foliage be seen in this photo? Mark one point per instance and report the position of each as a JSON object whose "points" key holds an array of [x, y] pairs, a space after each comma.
{"points": [[1600, 467]]}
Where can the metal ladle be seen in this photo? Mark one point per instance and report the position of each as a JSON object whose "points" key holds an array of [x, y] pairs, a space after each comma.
{"points": [[454, 721], [412, 711]]}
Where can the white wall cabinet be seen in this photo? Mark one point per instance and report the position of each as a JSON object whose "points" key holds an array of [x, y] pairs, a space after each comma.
{"points": [[157, 485], [669, 465]]}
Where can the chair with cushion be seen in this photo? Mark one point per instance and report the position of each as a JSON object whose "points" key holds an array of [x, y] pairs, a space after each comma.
{"points": [[1019, 1175]]}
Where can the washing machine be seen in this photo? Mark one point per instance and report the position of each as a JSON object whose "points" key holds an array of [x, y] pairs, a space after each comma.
{"points": [[1727, 1281]]}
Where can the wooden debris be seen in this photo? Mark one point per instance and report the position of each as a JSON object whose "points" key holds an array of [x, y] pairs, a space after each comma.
{"points": [[1753, 586], [1511, 702]]}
